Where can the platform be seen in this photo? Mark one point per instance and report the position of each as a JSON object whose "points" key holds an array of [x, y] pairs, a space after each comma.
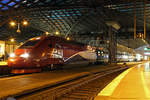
{"points": [[3, 63], [133, 84], [24, 83]]}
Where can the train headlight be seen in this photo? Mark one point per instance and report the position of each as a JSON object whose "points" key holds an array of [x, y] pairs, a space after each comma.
{"points": [[12, 55], [25, 55]]}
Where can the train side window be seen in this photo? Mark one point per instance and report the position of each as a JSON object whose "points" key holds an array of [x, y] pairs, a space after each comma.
{"points": [[50, 45]]}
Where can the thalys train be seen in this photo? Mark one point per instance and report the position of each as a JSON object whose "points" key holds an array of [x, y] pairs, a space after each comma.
{"points": [[51, 52], [47, 51]]}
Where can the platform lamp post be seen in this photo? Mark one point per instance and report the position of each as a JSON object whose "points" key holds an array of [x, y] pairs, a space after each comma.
{"points": [[12, 40], [18, 24]]}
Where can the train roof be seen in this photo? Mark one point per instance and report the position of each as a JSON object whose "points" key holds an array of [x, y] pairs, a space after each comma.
{"points": [[67, 41], [60, 39]]}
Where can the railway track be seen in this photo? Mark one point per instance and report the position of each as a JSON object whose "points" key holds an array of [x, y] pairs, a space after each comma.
{"points": [[7, 75], [80, 88]]}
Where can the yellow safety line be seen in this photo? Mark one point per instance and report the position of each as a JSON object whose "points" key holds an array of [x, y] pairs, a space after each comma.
{"points": [[3, 63], [147, 92], [108, 90]]}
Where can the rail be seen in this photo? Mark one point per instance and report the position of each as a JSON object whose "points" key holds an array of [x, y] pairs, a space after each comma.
{"points": [[57, 91]]}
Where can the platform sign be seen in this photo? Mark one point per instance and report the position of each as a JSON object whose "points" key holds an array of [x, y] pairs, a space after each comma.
{"points": [[2, 48]]}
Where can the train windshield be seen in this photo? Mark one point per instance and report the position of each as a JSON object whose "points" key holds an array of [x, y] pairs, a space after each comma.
{"points": [[29, 44]]}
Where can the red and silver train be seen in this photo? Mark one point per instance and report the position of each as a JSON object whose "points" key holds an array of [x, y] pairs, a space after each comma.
{"points": [[46, 51]]}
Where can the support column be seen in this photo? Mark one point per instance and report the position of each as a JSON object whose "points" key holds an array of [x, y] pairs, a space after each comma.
{"points": [[135, 20], [5, 52], [144, 19], [112, 46]]}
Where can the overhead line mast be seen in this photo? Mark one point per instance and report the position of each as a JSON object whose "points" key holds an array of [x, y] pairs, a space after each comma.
{"points": [[144, 19], [134, 19]]}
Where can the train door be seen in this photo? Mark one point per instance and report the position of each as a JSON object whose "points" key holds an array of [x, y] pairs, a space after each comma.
{"points": [[58, 53], [46, 55]]}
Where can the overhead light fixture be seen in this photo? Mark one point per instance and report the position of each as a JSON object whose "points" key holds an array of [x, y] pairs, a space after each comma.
{"points": [[25, 23], [57, 33], [47, 33], [12, 39], [68, 38], [12, 23]]}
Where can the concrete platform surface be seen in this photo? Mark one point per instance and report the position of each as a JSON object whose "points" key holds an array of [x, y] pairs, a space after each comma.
{"points": [[133, 84]]}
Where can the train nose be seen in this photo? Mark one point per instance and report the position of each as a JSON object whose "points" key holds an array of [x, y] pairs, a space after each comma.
{"points": [[13, 57], [20, 62], [20, 58]]}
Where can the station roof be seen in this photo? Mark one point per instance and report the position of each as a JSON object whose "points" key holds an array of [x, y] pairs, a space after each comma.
{"points": [[71, 17]]}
